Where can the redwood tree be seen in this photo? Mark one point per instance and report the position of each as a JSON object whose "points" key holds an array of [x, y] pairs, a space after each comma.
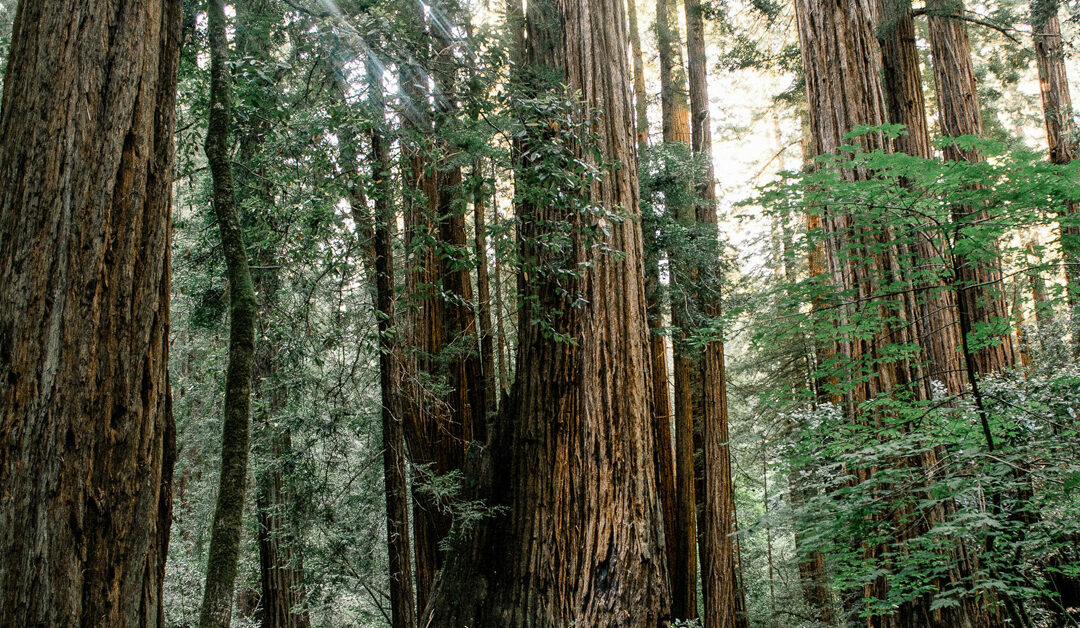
{"points": [[571, 458], [86, 431]]}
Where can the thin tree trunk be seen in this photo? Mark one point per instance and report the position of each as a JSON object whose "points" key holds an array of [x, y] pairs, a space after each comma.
{"points": [[87, 440], [221, 568], [402, 602], [573, 450], [958, 114], [641, 104], [675, 122], [723, 596]]}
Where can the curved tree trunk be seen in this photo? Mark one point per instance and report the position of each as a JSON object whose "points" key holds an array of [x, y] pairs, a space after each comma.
{"points": [[572, 454], [221, 568], [87, 440]]}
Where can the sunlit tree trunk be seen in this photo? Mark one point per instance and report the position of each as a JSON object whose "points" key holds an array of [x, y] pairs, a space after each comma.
{"points": [[87, 440], [980, 292], [1059, 121], [723, 596], [572, 454]]}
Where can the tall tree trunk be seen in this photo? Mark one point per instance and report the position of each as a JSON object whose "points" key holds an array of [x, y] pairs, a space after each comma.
{"points": [[444, 343], [87, 440], [979, 280], [1060, 126], [723, 595], [221, 567], [572, 455], [843, 68], [641, 102], [403, 610], [675, 122], [906, 105]]}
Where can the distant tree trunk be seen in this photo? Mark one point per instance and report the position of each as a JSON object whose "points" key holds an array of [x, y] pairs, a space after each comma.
{"points": [[221, 567], [483, 291], [87, 440], [402, 603], [641, 103], [906, 105], [723, 596], [675, 123], [979, 282], [572, 453], [1060, 125]]}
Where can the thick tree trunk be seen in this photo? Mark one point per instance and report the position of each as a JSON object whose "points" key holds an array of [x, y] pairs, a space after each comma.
{"points": [[218, 595], [1060, 125], [723, 596], [979, 280], [572, 455], [906, 105], [87, 440], [843, 66]]}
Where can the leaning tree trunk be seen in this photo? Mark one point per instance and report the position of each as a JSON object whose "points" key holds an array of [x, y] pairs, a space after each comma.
{"points": [[87, 440], [980, 292], [723, 596], [571, 457], [221, 566], [1060, 127]]}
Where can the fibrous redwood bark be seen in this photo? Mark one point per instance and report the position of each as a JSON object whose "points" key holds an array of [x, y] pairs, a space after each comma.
{"points": [[980, 292], [842, 62], [572, 454], [87, 440], [675, 124], [936, 305], [724, 603], [1060, 123], [221, 566]]}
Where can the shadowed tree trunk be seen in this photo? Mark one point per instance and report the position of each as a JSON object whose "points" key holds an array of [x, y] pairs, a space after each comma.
{"points": [[87, 440], [571, 457], [402, 603], [221, 567], [724, 603]]}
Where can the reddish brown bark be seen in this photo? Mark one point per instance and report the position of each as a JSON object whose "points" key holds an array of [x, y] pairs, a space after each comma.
{"points": [[572, 455], [1060, 124], [724, 603], [87, 440], [978, 280]]}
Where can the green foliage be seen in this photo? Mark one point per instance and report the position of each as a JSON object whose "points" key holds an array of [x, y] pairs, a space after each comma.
{"points": [[909, 475]]}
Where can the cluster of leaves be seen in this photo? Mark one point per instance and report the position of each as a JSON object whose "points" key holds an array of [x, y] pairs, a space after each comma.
{"points": [[908, 489]]}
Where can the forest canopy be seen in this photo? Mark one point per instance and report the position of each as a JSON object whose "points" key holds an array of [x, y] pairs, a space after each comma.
{"points": [[589, 313]]}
